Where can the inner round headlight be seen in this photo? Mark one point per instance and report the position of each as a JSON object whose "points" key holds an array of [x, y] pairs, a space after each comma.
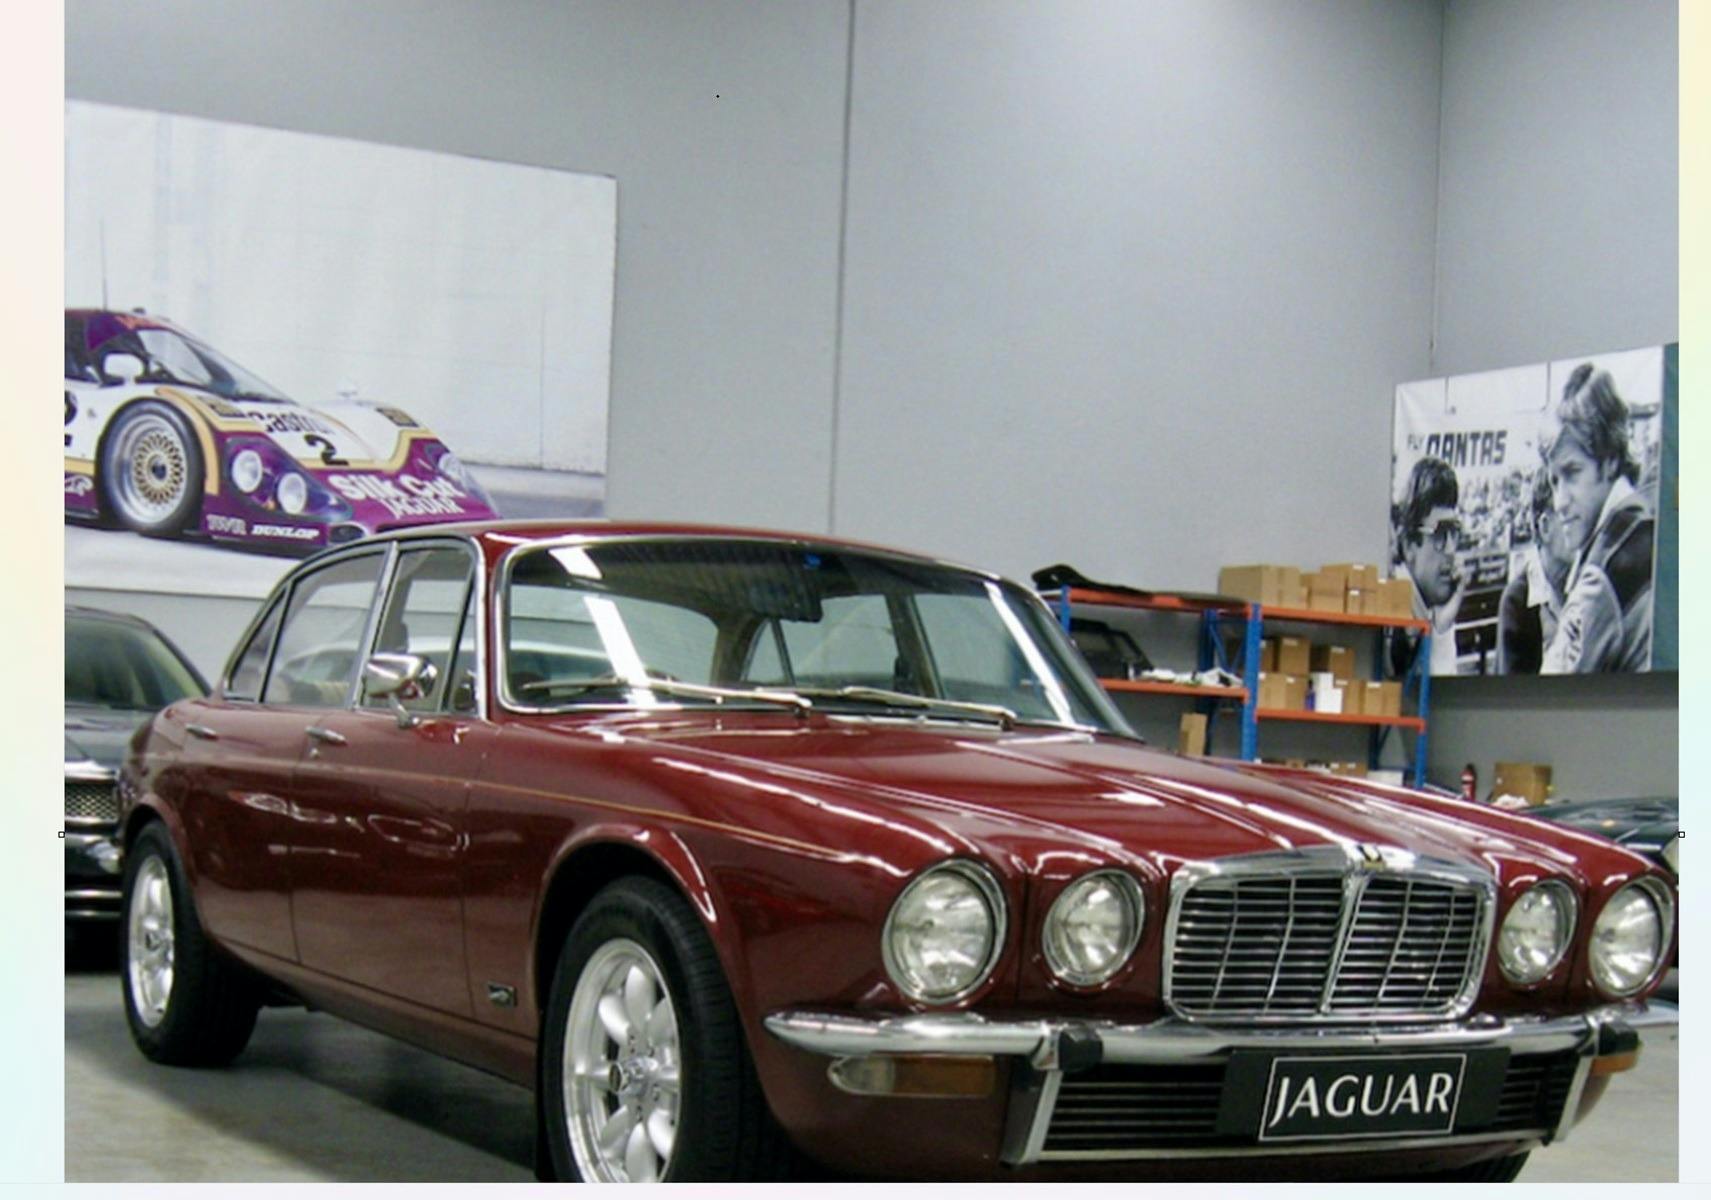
{"points": [[1628, 937], [1093, 927], [942, 938], [293, 493], [246, 471], [1536, 932]]}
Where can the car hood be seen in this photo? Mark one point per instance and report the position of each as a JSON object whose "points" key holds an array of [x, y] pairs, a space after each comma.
{"points": [[100, 735], [1026, 793]]}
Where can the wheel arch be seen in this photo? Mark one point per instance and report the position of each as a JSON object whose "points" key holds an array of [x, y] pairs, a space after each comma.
{"points": [[602, 856]]}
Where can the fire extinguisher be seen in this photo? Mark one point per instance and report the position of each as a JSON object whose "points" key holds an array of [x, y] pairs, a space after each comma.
{"points": [[1469, 783]]}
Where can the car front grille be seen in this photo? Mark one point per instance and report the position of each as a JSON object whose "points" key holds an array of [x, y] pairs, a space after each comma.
{"points": [[1327, 943], [1118, 1110], [89, 801]]}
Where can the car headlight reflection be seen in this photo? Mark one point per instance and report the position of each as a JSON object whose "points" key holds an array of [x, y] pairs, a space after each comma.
{"points": [[1536, 932], [247, 471], [1629, 937], [1093, 927], [292, 493], [942, 938]]}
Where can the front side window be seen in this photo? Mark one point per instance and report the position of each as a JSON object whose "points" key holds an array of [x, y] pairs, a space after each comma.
{"points": [[834, 625], [424, 612], [316, 661]]}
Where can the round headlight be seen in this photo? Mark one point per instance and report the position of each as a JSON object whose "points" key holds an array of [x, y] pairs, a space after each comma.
{"points": [[1628, 937], [1093, 927], [293, 493], [1536, 932], [942, 938], [246, 471]]}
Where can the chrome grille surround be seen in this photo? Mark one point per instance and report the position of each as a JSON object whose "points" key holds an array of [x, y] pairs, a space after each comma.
{"points": [[91, 794], [1346, 933]]}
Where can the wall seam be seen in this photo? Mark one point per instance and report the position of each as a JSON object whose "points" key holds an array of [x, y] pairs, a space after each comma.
{"points": [[842, 280], [1438, 194]]}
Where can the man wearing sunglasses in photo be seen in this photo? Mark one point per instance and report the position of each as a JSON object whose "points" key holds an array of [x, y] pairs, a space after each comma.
{"points": [[1606, 622], [1426, 533]]}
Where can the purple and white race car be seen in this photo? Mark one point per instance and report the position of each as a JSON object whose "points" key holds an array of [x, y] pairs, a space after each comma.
{"points": [[165, 435]]}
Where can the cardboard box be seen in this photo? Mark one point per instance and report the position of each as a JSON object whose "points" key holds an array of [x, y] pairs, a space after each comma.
{"points": [[1324, 591], [1191, 736], [1530, 781], [1296, 597], [1371, 697], [1267, 654], [1294, 691], [1262, 583], [1354, 601], [1325, 692], [1397, 598], [1390, 698], [1353, 769], [1270, 690], [1354, 575], [1337, 660], [1294, 656]]}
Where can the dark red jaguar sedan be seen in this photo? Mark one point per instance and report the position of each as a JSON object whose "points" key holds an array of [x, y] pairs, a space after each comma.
{"points": [[750, 852]]}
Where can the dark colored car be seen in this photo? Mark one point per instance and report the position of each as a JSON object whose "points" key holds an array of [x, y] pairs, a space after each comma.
{"points": [[119, 671], [1647, 825], [742, 848]]}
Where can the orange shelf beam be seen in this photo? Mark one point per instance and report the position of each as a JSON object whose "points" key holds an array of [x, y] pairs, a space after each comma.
{"points": [[1303, 714], [1320, 616], [1174, 689]]}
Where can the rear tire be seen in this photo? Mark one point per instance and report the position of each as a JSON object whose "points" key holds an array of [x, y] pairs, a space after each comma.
{"points": [[187, 1004], [645, 1073]]}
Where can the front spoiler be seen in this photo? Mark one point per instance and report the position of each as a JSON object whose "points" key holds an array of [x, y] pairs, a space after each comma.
{"points": [[1052, 1046]]}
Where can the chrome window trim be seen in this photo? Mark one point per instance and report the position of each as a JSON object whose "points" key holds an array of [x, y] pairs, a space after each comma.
{"points": [[1358, 864]]}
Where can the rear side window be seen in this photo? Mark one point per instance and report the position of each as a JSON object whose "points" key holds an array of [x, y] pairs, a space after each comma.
{"points": [[245, 680], [321, 639]]}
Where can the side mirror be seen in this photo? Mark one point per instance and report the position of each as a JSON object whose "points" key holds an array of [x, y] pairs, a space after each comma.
{"points": [[397, 678], [123, 367]]}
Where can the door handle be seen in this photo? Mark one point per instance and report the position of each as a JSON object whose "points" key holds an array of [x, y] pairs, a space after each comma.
{"points": [[330, 737], [201, 731]]}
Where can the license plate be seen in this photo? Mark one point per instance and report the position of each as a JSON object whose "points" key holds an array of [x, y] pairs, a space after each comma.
{"points": [[1321, 1097]]}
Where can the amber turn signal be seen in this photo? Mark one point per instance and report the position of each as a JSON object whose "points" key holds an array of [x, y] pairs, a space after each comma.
{"points": [[920, 1075]]}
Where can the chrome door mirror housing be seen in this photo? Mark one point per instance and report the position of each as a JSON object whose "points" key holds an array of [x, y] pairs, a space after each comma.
{"points": [[397, 678]]}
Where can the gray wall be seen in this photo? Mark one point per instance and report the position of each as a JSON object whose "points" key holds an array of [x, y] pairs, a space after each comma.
{"points": [[1124, 285], [1558, 236]]}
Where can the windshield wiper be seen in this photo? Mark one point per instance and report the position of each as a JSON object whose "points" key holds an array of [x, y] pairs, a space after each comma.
{"points": [[1005, 717], [671, 687]]}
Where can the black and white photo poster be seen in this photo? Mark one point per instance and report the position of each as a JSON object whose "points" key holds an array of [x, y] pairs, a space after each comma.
{"points": [[1524, 509]]}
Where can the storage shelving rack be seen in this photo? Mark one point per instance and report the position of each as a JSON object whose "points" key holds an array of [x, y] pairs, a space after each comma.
{"points": [[1221, 618]]}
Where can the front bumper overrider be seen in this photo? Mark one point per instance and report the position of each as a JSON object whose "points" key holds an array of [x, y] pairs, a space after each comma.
{"points": [[1602, 1041]]}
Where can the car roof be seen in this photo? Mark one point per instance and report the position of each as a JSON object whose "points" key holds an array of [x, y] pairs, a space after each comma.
{"points": [[502, 535]]}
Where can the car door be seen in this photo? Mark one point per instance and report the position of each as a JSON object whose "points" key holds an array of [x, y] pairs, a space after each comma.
{"points": [[377, 885], [231, 785]]}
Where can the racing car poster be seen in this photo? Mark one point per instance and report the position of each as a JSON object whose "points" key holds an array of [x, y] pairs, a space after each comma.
{"points": [[1534, 509], [277, 342]]}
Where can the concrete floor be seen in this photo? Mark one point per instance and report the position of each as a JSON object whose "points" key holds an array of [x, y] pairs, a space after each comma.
{"points": [[314, 1099]]}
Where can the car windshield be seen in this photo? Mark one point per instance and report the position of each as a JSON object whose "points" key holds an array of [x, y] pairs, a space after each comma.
{"points": [[169, 356], [109, 664], [595, 623]]}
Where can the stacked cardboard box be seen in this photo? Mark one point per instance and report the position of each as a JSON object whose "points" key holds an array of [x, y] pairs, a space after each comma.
{"points": [[1191, 736], [1336, 587], [1530, 781]]}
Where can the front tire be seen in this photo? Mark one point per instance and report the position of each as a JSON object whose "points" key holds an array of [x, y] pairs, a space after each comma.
{"points": [[186, 1003], [150, 476], [645, 1075]]}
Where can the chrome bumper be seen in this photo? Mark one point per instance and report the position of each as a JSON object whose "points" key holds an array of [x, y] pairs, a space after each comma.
{"points": [[1051, 1047], [93, 863]]}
